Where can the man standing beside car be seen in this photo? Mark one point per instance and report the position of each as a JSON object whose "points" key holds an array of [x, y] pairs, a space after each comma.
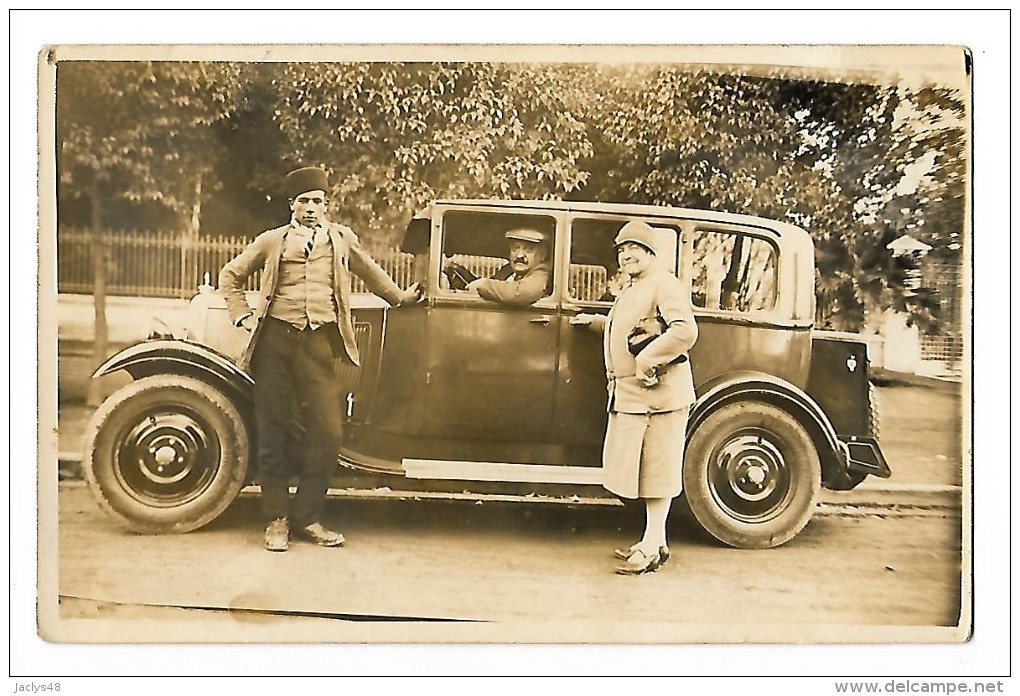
{"points": [[295, 339]]}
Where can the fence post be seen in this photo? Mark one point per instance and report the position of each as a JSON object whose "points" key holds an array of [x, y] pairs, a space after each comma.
{"points": [[184, 238]]}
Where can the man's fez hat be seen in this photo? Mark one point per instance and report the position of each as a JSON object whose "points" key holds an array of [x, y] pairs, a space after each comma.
{"points": [[304, 180]]}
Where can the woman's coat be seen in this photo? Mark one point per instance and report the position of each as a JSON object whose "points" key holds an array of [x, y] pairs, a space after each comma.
{"points": [[657, 293]]}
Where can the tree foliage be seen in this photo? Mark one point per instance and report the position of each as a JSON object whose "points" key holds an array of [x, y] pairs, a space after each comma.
{"points": [[143, 131], [834, 157], [857, 164], [397, 136], [138, 131], [696, 139]]}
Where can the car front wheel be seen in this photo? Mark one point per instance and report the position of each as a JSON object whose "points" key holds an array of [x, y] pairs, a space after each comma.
{"points": [[751, 475], [166, 453]]}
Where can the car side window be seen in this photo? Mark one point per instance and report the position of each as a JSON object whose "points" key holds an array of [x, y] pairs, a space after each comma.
{"points": [[475, 245], [733, 271], [590, 277]]}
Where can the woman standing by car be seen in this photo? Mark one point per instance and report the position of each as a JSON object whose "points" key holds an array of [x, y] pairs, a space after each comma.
{"points": [[647, 335]]}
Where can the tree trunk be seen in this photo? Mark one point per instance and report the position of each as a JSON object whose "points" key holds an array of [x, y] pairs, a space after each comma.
{"points": [[196, 208], [189, 242], [100, 268]]}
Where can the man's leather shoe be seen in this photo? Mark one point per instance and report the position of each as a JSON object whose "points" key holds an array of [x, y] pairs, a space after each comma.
{"points": [[278, 535], [320, 535]]}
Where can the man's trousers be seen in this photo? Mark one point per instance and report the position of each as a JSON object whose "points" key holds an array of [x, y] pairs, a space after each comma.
{"points": [[298, 416]]}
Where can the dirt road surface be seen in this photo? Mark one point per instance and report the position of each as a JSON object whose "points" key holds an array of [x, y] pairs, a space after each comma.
{"points": [[881, 563], [418, 571]]}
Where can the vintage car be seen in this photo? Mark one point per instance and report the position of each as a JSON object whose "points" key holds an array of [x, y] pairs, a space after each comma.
{"points": [[459, 393]]}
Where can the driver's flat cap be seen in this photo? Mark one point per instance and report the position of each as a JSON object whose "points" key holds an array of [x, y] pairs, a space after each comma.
{"points": [[526, 234]]}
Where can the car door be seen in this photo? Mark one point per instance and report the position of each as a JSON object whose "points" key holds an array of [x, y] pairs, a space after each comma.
{"points": [[490, 366], [593, 281], [744, 321]]}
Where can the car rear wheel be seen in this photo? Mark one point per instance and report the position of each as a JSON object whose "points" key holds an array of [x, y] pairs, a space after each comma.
{"points": [[166, 453], [751, 475]]}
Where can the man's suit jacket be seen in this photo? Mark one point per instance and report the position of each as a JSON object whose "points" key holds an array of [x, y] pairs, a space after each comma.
{"points": [[265, 252]]}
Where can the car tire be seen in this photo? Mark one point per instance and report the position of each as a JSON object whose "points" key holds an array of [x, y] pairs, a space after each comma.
{"points": [[874, 424], [166, 454], [751, 475]]}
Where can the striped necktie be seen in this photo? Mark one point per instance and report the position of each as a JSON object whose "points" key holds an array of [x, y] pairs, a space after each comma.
{"points": [[311, 242]]}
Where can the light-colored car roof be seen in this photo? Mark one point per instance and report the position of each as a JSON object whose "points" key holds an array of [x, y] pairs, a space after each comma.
{"points": [[630, 209]]}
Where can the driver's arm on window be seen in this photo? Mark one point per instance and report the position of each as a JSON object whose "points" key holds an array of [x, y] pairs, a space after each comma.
{"points": [[515, 292]]}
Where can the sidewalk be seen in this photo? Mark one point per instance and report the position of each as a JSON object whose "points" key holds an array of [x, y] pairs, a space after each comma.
{"points": [[71, 421]]}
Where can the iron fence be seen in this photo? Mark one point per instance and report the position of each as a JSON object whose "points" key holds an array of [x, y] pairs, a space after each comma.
{"points": [[947, 345], [169, 264]]}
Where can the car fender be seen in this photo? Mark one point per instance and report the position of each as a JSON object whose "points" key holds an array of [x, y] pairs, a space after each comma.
{"points": [[178, 356], [736, 386]]}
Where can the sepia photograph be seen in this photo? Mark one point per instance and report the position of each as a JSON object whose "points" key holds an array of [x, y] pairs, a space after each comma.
{"points": [[462, 344]]}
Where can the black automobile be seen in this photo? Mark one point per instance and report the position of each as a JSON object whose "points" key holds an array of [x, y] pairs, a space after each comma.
{"points": [[462, 394]]}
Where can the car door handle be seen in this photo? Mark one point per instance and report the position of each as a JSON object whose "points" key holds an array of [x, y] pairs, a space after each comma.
{"points": [[544, 319]]}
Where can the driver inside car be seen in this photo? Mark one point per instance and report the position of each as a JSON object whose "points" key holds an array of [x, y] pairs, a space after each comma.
{"points": [[524, 279]]}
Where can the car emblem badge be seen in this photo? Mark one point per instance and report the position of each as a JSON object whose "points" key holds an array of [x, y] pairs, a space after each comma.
{"points": [[851, 363]]}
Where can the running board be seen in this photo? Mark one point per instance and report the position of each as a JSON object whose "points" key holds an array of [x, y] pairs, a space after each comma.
{"points": [[496, 471]]}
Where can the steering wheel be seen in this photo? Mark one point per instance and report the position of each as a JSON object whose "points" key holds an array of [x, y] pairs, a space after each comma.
{"points": [[459, 276]]}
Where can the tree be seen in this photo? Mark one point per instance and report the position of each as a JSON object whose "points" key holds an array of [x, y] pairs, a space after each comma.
{"points": [[934, 122], [856, 161], [139, 131], [396, 136], [827, 155], [900, 170], [694, 138]]}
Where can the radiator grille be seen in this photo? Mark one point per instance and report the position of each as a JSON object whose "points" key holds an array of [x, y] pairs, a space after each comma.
{"points": [[348, 375]]}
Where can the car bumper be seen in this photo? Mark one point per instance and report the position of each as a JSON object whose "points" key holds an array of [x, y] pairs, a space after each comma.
{"points": [[863, 455]]}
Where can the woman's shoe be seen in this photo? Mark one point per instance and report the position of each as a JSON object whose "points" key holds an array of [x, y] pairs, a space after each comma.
{"points": [[623, 555], [639, 563]]}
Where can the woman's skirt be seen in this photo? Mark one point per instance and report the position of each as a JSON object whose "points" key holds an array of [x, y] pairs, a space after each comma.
{"points": [[643, 454]]}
